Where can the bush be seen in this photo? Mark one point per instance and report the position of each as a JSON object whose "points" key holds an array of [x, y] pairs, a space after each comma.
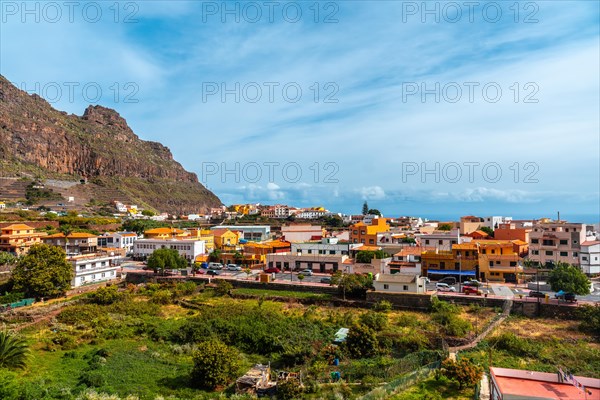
{"points": [[289, 389], [223, 287], [511, 343], [383, 306], [464, 372], [374, 320], [214, 365], [105, 295], [163, 296], [361, 342], [590, 319]]}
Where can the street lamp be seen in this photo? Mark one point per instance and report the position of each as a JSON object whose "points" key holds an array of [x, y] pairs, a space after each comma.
{"points": [[459, 273]]}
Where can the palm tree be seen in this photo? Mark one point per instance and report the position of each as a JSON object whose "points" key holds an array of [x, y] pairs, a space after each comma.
{"points": [[13, 351]]}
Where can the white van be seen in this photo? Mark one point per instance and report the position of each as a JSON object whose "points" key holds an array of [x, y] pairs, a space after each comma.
{"points": [[444, 287], [215, 265]]}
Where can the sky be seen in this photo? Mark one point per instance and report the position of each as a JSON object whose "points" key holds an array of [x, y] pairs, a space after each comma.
{"points": [[434, 108]]}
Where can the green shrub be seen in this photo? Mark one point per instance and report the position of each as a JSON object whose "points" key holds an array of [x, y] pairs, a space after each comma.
{"points": [[223, 287], [163, 296], [374, 320], [105, 295], [361, 342], [214, 365], [289, 389], [383, 306]]}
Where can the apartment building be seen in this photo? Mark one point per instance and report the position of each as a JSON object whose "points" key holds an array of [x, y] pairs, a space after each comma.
{"points": [[557, 241], [367, 233], [187, 248], [18, 238], [440, 240], [93, 268], [302, 232], [255, 233], [589, 257], [121, 240], [74, 243]]}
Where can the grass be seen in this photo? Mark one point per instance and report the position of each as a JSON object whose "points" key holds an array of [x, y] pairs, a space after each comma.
{"points": [[282, 293], [435, 389]]}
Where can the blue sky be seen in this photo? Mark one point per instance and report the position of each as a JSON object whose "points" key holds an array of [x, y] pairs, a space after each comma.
{"points": [[515, 92]]}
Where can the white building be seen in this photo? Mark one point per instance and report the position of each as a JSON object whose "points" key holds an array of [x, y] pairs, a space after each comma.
{"points": [[93, 268], [312, 214], [255, 233], [399, 283], [495, 221], [187, 248], [589, 257], [121, 240], [327, 246], [2, 205], [440, 241], [301, 232]]}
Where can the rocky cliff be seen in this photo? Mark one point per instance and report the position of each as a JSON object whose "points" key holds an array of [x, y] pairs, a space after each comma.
{"points": [[37, 140]]}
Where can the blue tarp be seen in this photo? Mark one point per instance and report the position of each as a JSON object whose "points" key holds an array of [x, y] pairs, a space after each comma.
{"points": [[450, 272]]}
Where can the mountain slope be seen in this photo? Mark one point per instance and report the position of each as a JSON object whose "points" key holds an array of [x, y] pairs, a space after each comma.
{"points": [[37, 140]]}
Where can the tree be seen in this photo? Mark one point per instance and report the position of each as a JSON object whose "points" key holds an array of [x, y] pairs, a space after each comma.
{"points": [[365, 209], [43, 272], [352, 285], [365, 256], [105, 295], [464, 372], [238, 257], [148, 213], [162, 259], [374, 211], [487, 230], [215, 255], [215, 364], [7, 258], [361, 342], [569, 279], [409, 240], [223, 287], [13, 351], [445, 227]]}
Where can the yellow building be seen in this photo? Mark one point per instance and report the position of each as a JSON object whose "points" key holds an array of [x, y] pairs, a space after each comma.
{"points": [[18, 238], [367, 234], [499, 260], [226, 240], [165, 233], [204, 234], [256, 253]]}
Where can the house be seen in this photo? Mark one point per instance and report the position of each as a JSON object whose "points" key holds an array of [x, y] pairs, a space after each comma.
{"points": [[399, 283], [499, 260], [440, 240], [122, 240], [478, 234], [2, 205], [329, 245], [301, 232], [407, 260], [512, 231], [376, 266], [206, 235], [589, 257], [257, 253], [495, 221], [512, 384], [367, 233], [94, 268], [226, 240], [461, 261], [74, 243], [256, 379], [188, 248], [18, 238], [470, 224], [165, 233], [324, 263]]}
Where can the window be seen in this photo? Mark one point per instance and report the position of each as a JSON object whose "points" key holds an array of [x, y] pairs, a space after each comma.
{"points": [[82, 279], [426, 241], [535, 252], [564, 254], [309, 251], [549, 253], [564, 241], [491, 263], [286, 265], [82, 267], [331, 251], [442, 265], [103, 275], [405, 287], [386, 286], [371, 241], [440, 242], [535, 241], [575, 254], [513, 263]]}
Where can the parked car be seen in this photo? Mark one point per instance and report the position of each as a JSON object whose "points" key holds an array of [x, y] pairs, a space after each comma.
{"points": [[233, 267], [535, 293], [272, 270], [215, 265], [306, 272], [472, 282], [448, 280], [326, 279], [444, 287], [213, 272], [471, 290], [565, 296]]}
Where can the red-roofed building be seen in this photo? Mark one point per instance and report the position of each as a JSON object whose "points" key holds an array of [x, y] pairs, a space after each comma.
{"points": [[515, 384]]}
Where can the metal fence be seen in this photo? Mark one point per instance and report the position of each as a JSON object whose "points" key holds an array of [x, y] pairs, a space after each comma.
{"points": [[17, 304], [402, 383]]}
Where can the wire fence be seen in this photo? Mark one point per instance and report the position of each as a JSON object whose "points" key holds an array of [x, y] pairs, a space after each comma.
{"points": [[402, 383]]}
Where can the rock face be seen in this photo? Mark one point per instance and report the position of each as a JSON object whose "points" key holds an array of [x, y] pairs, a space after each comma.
{"points": [[38, 140]]}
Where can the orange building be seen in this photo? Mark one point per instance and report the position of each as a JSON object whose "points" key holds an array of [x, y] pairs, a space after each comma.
{"points": [[74, 243], [165, 233], [512, 231], [18, 238], [367, 234]]}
